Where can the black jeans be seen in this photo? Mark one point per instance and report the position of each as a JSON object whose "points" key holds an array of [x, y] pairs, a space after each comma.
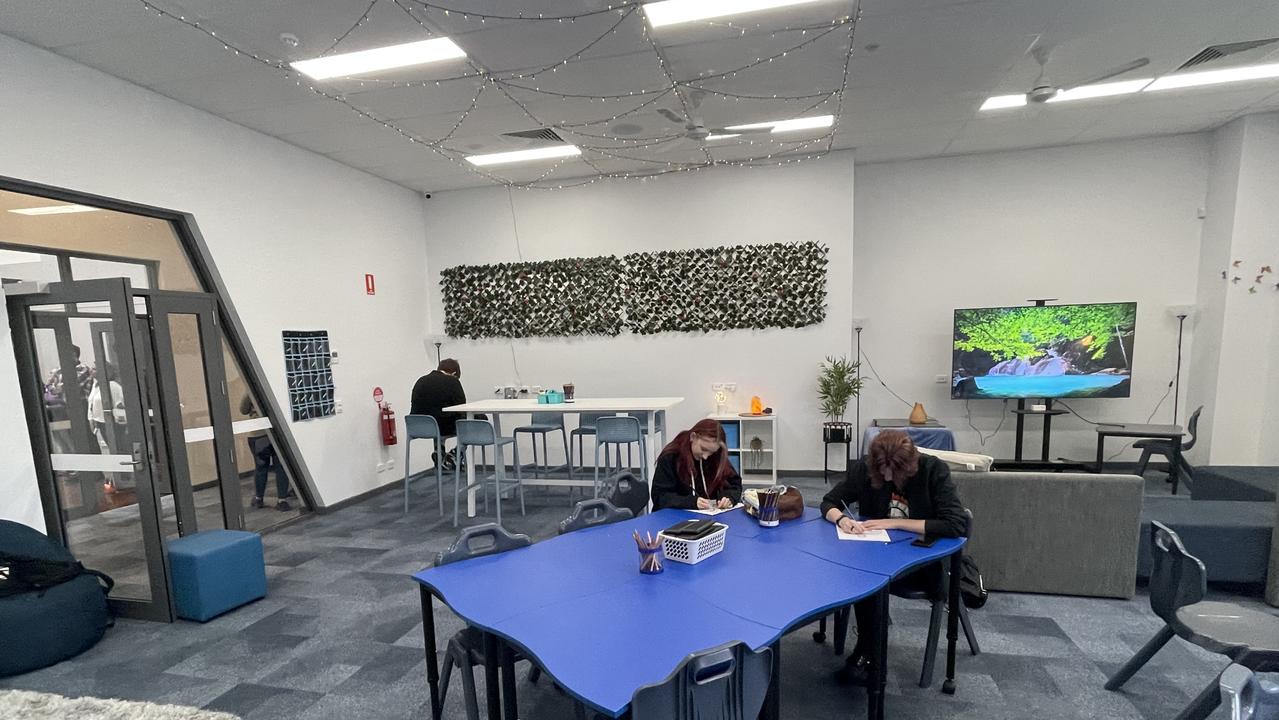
{"points": [[926, 579], [265, 460]]}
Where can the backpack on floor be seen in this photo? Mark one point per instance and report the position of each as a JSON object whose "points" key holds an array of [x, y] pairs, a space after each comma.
{"points": [[972, 590]]}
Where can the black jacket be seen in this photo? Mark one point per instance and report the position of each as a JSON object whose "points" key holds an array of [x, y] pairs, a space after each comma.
{"points": [[435, 391], [930, 493], [669, 492]]}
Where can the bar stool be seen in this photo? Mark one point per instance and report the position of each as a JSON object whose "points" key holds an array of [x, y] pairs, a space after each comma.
{"points": [[616, 431], [585, 426], [659, 426], [423, 427], [544, 423], [479, 433]]}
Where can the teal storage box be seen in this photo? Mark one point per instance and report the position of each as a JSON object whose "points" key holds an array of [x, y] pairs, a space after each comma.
{"points": [[216, 571]]}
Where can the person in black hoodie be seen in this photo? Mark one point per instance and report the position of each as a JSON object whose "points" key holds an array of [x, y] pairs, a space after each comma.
{"points": [[435, 391], [693, 471], [894, 488]]}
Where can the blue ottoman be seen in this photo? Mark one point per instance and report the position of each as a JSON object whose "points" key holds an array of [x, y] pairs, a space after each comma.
{"points": [[216, 571]]}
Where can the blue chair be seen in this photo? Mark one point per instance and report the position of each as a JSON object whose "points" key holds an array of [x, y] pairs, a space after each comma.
{"points": [[466, 647], [544, 423], [728, 682], [423, 427], [616, 431], [593, 513], [585, 426], [479, 433], [1178, 584]]}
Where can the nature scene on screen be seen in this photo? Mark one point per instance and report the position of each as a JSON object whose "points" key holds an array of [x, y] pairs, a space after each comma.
{"points": [[1052, 351]]}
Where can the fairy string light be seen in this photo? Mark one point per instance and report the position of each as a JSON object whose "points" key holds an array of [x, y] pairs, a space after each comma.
{"points": [[505, 83]]}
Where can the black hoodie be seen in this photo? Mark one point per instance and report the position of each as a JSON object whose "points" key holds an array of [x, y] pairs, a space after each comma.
{"points": [[929, 493]]}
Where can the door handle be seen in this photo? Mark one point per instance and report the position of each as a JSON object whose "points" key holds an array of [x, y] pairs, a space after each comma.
{"points": [[137, 460]]}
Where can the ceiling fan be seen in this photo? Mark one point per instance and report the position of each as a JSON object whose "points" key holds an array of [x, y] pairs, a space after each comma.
{"points": [[695, 129], [1044, 90]]}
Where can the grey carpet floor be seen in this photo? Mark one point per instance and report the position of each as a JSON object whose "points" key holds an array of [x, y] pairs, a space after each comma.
{"points": [[339, 636]]}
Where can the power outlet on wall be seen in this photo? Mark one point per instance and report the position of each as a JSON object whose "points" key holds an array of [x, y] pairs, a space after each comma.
{"points": [[337, 405], [381, 467], [941, 379], [390, 464]]}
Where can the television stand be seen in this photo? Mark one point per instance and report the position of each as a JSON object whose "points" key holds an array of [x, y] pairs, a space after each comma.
{"points": [[1048, 412]]}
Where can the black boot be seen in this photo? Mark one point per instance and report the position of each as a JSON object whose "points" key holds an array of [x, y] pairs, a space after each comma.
{"points": [[856, 672]]}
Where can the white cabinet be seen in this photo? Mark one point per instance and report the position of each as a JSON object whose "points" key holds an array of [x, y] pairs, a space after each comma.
{"points": [[752, 446]]}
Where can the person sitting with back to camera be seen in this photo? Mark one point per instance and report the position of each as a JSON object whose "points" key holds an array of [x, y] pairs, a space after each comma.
{"points": [[693, 471], [894, 488]]}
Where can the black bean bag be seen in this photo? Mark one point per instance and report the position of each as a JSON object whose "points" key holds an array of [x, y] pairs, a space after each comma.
{"points": [[50, 624]]}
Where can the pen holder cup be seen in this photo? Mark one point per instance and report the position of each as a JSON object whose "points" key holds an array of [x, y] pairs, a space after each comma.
{"points": [[769, 513], [651, 560]]}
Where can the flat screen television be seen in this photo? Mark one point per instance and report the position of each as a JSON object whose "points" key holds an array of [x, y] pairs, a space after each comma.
{"points": [[1050, 351]]}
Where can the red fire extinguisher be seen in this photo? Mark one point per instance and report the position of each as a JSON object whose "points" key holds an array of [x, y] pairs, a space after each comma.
{"points": [[388, 424]]}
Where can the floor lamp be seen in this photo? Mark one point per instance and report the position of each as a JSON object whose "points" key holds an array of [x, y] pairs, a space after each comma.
{"points": [[858, 324], [1181, 312]]}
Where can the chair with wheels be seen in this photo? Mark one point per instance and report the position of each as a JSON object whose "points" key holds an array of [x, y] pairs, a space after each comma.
{"points": [[423, 427], [615, 432], [1178, 584], [1158, 446], [479, 433], [728, 682], [543, 424], [466, 647]]}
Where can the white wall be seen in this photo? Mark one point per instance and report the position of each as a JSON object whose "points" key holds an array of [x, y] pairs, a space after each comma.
{"points": [[1086, 223], [808, 201], [291, 233]]}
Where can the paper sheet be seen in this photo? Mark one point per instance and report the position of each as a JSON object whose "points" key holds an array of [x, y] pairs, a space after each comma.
{"points": [[868, 536], [716, 511]]}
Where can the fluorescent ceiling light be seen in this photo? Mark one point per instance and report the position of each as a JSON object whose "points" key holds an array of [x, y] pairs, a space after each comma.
{"points": [[501, 158], [1215, 77], [671, 12], [999, 102], [781, 126], [383, 58], [725, 136], [54, 210], [1084, 92]]}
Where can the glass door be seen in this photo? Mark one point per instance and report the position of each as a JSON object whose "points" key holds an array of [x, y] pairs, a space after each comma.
{"points": [[95, 436]]}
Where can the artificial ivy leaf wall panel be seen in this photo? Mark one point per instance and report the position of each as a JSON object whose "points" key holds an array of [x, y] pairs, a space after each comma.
{"points": [[574, 296], [742, 287], [728, 288]]}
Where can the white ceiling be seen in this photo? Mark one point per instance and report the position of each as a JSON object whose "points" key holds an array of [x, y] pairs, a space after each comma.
{"points": [[918, 72]]}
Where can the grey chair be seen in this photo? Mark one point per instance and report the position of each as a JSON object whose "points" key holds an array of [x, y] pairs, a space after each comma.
{"points": [[423, 427], [1157, 446], [479, 433], [629, 492], [585, 427], [728, 682], [543, 424], [659, 422], [1178, 585], [937, 598], [613, 432], [593, 513], [1251, 696], [466, 648]]}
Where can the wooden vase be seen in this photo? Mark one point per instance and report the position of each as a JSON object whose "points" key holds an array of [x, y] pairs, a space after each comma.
{"points": [[917, 415]]}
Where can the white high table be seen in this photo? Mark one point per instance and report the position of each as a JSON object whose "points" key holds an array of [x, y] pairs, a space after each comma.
{"points": [[496, 408]]}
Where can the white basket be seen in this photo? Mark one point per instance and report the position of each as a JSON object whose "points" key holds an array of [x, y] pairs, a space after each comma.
{"points": [[692, 552]]}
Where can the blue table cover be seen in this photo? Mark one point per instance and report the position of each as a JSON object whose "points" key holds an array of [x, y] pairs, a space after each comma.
{"points": [[933, 438], [578, 605]]}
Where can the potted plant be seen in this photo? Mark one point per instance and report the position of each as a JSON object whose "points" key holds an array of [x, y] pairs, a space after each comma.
{"points": [[837, 383]]}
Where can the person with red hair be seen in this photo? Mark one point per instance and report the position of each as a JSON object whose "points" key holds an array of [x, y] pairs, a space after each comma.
{"points": [[693, 471], [894, 488]]}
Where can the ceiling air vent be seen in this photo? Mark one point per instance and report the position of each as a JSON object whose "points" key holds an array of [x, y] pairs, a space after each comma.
{"points": [[546, 134], [1216, 52]]}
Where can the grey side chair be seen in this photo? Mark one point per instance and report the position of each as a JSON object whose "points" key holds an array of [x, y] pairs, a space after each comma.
{"points": [[423, 427], [728, 682], [479, 433], [466, 647], [1251, 696], [593, 513], [585, 427], [1157, 446], [543, 424], [615, 432], [1178, 584]]}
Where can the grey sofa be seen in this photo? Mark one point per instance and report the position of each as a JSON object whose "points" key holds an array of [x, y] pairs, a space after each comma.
{"points": [[1057, 533]]}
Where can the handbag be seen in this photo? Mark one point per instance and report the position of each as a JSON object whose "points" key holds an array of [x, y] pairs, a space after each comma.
{"points": [[789, 506]]}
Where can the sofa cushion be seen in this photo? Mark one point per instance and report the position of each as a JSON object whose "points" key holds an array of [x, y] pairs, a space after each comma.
{"points": [[961, 461], [1230, 537], [1235, 482]]}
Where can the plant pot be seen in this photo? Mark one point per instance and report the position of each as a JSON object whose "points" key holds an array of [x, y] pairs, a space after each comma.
{"points": [[837, 432]]}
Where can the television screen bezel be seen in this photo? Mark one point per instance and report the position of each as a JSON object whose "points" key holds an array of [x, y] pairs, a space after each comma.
{"points": [[954, 386]]}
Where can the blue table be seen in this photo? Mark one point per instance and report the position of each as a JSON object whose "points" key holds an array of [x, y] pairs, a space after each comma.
{"points": [[933, 437], [582, 605]]}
